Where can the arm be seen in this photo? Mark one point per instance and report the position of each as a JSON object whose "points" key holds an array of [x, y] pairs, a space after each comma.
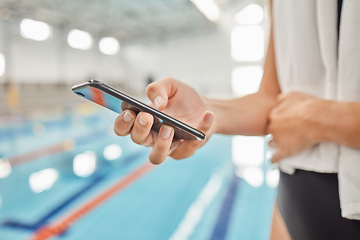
{"points": [[247, 115], [334, 121], [300, 121]]}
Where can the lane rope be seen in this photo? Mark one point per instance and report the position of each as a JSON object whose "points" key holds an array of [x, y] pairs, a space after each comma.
{"points": [[62, 225], [66, 145]]}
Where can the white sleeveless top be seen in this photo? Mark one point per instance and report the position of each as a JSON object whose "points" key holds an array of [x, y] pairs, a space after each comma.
{"points": [[309, 60]]}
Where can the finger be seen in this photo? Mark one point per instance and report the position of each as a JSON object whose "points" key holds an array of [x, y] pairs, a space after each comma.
{"points": [[188, 148], [281, 97], [162, 144], [140, 132], [160, 91], [272, 144], [174, 145], [124, 122], [279, 155]]}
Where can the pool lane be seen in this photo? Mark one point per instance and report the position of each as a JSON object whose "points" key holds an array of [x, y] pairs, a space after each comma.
{"points": [[61, 226], [221, 226], [43, 221], [197, 198]]}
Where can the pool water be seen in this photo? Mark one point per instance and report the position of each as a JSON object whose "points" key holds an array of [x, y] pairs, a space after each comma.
{"points": [[63, 184]]}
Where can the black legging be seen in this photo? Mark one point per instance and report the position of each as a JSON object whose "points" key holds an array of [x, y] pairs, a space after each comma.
{"points": [[309, 204]]}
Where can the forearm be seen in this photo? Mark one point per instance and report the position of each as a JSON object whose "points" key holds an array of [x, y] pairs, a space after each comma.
{"points": [[336, 122], [247, 115]]}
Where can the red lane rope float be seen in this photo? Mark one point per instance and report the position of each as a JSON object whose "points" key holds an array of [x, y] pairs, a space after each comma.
{"points": [[61, 226]]}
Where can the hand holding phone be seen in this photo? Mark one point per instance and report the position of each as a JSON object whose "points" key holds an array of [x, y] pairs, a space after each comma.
{"points": [[132, 110]]}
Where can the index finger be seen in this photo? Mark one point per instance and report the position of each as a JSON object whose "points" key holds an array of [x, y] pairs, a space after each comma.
{"points": [[160, 91]]}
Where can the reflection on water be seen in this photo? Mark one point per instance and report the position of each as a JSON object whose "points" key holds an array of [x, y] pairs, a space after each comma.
{"points": [[251, 157], [43, 180], [5, 168], [84, 164], [112, 152]]}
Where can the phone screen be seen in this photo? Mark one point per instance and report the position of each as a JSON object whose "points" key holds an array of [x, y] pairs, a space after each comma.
{"points": [[117, 101]]}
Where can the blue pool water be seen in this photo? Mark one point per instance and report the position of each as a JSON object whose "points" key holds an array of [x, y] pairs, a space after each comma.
{"points": [[197, 198]]}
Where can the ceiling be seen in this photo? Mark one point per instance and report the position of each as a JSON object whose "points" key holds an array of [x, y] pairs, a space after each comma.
{"points": [[127, 20]]}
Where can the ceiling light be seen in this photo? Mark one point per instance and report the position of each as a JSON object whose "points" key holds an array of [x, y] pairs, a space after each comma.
{"points": [[209, 8], [109, 45], [79, 39], [35, 30]]}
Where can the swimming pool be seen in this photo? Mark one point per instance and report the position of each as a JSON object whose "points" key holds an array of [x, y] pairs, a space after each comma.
{"points": [[70, 177]]}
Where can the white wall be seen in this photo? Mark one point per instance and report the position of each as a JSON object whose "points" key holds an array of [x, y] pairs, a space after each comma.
{"points": [[203, 61], [52, 61]]}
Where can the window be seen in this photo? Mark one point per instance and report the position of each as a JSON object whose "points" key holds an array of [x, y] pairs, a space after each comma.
{"points": [[246, 79], [2, 64], [247, 43], [209, 8], [247, 49], [252, 14]]}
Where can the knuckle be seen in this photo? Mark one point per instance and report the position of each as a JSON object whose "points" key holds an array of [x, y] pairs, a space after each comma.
{"points": [[150, 88]]}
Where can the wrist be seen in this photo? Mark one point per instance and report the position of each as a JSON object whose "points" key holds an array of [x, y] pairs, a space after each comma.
{"points": [[317, 110], [210, 105], [331, 120]]}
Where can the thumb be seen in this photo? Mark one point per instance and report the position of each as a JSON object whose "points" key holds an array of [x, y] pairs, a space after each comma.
{"points": [[160, 91]]}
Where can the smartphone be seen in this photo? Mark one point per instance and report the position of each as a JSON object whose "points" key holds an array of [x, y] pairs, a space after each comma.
{"points": [[117, 101]]}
